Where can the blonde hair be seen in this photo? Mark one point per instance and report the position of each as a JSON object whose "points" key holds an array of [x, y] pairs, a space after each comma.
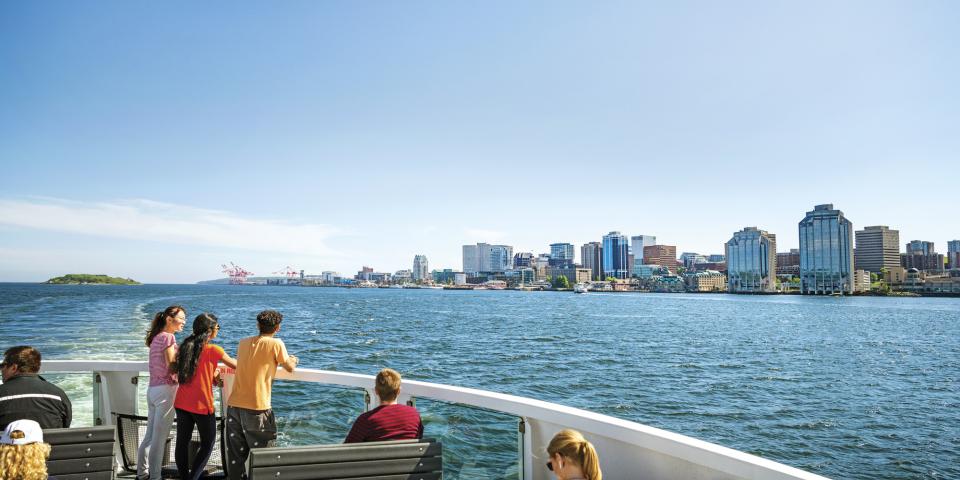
{"points": [[388, 384], [571, 445], [24, 462]]}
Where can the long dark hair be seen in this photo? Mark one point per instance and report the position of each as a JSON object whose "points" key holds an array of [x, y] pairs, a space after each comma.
{"points": [[189, 354], [160, 321]]}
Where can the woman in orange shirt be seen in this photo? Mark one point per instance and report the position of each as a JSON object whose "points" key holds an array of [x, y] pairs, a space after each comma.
{"points": [[197, 360]]}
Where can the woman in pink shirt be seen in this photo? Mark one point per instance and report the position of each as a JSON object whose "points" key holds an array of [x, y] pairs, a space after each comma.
{"points": [[162, 390]]}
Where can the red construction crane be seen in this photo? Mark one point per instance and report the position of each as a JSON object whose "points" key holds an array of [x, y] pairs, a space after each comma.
{"points": [[238, 275], [289, 272]]}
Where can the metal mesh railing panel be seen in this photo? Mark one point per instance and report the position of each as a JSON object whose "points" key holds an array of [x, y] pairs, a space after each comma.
{"points": [[131, 430]]}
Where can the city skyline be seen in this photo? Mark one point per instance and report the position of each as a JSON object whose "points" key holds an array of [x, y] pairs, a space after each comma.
{"points": [[158, 142]]}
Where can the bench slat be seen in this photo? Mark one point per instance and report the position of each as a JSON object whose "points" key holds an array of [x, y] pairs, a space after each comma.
{"points": [[372, 468], [404, 476], [81, 450], [105, 475], [61, 436], [341, 453], [79, 465]]}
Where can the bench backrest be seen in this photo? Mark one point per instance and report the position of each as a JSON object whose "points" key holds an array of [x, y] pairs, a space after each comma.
{"points": [[393, 460], [81, 453]]}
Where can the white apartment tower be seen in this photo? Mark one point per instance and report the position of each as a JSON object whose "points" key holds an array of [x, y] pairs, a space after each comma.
{"points": [[421, 268]]}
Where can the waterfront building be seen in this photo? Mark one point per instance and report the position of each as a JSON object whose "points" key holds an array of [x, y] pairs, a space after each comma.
{"points": [[591, 255], [561, 254], [540, 265], [364, 273], [895, 275], [615, 256], [878, 247], [689, 260], [752, 261], [500, 258], [861, 281], [471, 258], [421, 268], [459, 279], [663, 255], [520, 276], [637, 244], [403, 276], [706, 281], [329, 276], [920, 247], [668, 284], [647, 270], [953, 254], [788, 263], [484, 257], [920, 282], [826, 252], [446, 276], [574, 274], [929, 263], [380, 277], [523, 259], [718, 266]]}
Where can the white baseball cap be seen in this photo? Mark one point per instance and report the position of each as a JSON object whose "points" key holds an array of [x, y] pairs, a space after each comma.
{"points": [[29, 429]]}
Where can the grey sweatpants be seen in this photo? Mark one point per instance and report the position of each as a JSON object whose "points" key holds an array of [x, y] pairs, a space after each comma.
{"points": [[247, 429]]}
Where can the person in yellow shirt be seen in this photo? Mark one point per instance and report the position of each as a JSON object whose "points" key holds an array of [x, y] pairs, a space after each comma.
{"points": [[250, 420]]}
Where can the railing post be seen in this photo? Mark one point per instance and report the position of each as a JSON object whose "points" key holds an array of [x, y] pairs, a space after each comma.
{"points": [[521, 438]]}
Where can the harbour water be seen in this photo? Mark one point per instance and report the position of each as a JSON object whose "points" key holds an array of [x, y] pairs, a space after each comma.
{"points": [[858, 387]]}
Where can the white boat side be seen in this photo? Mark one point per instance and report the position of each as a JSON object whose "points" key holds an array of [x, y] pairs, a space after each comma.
{"points": [[627, 449]]}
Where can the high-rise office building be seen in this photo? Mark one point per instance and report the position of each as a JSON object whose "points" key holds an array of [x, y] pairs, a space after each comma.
{"points": [[487, 258], [953, 253], [663, 255], [471, 259], [616, 263], [638, 242], [690, 259], [752, 261], [920, 247], [929, 262], [421, 268], [826, 252], [523, 259], [561, 255], [878, 247], [788, 263], [591, 255], [923, 256]]}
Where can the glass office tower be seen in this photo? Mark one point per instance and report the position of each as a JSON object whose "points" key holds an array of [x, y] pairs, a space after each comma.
{"points": [[616, 252], [752, 261], [826, 252]]}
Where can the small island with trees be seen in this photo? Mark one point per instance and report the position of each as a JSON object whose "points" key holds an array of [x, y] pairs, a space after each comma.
{"points": [[87, 279]]}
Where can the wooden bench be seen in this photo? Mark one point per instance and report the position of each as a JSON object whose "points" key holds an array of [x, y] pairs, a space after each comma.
{"points": [[393, 460], [81, 453]]}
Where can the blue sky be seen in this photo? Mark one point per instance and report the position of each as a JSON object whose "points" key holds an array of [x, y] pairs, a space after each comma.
{"points": [[160, 140]]}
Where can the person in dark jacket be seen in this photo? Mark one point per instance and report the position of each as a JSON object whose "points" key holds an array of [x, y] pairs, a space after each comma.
{"points": [[25, 395]]}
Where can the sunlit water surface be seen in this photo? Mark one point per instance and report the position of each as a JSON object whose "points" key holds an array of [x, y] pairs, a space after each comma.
{"points": [[844, 387]]}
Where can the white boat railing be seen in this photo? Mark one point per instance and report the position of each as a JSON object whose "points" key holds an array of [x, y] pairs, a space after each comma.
{"points": [[627, 449]]}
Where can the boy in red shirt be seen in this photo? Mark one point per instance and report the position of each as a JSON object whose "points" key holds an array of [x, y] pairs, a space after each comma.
{"points": [[389, 421]]}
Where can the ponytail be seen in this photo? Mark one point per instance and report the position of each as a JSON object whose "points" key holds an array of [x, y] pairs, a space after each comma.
{"points": [[160, 321], [571, 445], [589, 461], [188, 356]]}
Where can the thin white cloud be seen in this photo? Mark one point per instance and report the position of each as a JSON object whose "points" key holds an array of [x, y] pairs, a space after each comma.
{"points": [[482, 235], [149, 220]]}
